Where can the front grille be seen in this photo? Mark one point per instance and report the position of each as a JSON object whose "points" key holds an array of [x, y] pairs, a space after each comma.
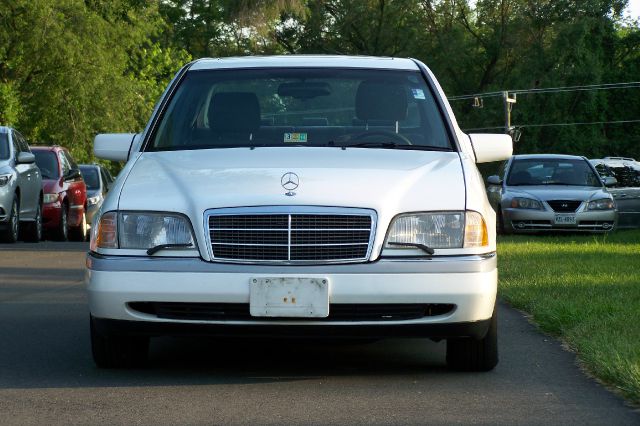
{"points": [[290, 237], [564, 205], [337, 311]]}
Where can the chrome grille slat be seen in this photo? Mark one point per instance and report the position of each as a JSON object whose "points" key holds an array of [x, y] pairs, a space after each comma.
{"points": [[311, 235]]}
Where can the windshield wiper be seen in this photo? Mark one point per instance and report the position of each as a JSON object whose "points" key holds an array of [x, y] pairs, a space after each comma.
{"points": [[394, 145], [422, 247], [154, 250]]}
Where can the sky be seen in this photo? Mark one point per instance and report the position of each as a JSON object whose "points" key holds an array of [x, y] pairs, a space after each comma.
{"points": [[633, 9]]}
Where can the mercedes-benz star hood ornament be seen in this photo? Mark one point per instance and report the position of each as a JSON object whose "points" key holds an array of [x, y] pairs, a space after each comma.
{"points": [[290, 181]]}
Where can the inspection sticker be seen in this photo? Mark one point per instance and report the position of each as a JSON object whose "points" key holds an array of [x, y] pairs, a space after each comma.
{"points": [[417, 93], [295, 137]]}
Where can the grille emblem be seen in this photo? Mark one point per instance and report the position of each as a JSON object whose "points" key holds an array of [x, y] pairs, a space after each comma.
{"points": [[290, 181], [564, 205]]}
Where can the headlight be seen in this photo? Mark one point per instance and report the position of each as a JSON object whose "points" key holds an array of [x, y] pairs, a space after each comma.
{"points": [[91, 201], [5, 179], [50, 198], [526, 203], [141, 230], [442, 230], [602, 204]]}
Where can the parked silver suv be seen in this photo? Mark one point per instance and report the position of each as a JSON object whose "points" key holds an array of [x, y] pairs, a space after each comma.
{"points": [[20, 189]]}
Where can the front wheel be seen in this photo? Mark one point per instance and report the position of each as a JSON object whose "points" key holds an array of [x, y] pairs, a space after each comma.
{"points": [[33, 231], [10, 234], [62, 231], [115, 351], [469, 354], [499, 222], [79, 233]]}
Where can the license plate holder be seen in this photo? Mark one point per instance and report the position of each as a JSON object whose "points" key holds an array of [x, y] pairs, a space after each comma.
{"points": [[289, 297], [565, 219]]}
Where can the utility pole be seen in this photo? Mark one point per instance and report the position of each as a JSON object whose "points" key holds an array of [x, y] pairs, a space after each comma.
{"points": [[508, 101]]}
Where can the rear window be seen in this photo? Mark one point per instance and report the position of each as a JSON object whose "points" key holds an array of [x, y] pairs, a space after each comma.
{"points": [[4, 146], [306, 107], [47, 163]]}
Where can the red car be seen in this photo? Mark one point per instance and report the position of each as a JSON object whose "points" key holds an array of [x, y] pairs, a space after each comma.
{"points": [[65, 193]]}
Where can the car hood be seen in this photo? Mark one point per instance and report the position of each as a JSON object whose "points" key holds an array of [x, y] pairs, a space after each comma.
{"points": [[388, 181], [560, 192]]}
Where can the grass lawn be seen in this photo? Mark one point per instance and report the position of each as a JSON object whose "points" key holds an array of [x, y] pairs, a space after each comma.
{"points": [[584, 289]]}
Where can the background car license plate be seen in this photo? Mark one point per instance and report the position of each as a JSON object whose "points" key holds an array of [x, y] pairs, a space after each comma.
{"points": [[289, 297], [565, 219]]}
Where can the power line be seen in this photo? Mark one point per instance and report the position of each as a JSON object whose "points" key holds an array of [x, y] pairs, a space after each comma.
{"points": [[581, 123], [606, 86]]}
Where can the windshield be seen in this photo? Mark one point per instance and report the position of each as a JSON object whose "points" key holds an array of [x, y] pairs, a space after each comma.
{"points": [[90, 176], [4, 146], [303, 107], [551, 171], [47, 163]]}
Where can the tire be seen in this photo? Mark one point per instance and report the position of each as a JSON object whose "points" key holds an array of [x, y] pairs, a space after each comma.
{"points": [[469, 354], [62, 231], [79, 233], [10, 235], [500, 222], [33, 230], [113, 351]]}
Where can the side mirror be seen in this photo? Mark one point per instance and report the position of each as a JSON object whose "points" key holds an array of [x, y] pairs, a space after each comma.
{"points": [[609, 181], [489, 147], [113, 146], [26, 158], [72, 174], [494, 180]]}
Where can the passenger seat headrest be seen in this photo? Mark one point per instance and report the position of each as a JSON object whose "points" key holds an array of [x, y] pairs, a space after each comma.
{"points": [[380, 100], [234, 112]]}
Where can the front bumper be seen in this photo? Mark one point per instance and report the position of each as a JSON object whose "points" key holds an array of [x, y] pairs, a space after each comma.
{"points": [[467, 282], [52, 212], [6, 201], [528, 220]]}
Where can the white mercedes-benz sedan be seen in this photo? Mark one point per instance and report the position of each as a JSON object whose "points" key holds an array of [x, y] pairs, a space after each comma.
{"points": [[296, 197]]}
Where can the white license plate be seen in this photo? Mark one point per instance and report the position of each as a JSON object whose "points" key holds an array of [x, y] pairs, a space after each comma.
{"points": [[289, 297], [565, 219]]}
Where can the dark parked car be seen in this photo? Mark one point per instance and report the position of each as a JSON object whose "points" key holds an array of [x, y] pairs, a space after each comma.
{"points": [[626, 191], [98, 181], [20, 189], [65, 194]]}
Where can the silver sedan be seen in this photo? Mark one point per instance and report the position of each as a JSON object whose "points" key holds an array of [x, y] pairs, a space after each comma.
{"points": [[551, 192]]}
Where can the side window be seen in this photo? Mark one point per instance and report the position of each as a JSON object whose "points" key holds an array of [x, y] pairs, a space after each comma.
{"points": [[502, 170], [64, 163], [70, 160], [16, 144], [24, 147]]}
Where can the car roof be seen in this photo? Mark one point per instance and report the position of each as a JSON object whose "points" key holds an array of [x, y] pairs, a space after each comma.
{"points": [[306, 61], [547, 157], [4, 129], [46, 147]]}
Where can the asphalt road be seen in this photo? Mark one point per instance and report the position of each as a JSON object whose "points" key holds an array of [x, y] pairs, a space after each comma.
{"points": [[47, 375]]}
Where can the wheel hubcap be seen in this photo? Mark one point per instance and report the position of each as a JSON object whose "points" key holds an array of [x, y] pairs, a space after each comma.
{"points": [[14, 221]]}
